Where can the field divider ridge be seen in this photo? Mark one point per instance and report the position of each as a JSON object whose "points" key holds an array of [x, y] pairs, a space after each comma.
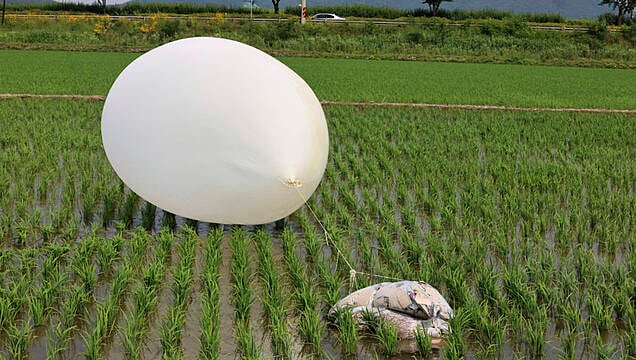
{"points": [[366, 103], [473, 107], [54, 96]]}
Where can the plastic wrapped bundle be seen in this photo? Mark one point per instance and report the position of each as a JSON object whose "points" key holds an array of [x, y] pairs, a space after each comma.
{"points": [[408, 305]]}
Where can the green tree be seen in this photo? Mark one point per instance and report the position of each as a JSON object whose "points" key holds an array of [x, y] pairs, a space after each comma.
{"points": [[624, 7], [433, 5], [102, 3], [275, 2]]}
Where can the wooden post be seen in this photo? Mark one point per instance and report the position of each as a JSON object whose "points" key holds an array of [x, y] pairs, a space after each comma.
{"points": [[303, 11]]}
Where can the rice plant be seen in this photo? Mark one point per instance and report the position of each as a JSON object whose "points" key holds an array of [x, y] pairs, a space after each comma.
{"points": [[535, 335], [311, 329], [130, 207], [330, 281], [246, 344], [629, 339], [110, 199], [210, 322], [347, 331], [568, 345], [273, 298], [182, 272], [242, 293], [455, 345], [424, 342], [148, 216], [604, 351], [87, 273], [19, 336], [387, 336], [169, 220], [72, 308], [599, 314], [107, 252], [171, 330], [134, 330], [106, 312]]}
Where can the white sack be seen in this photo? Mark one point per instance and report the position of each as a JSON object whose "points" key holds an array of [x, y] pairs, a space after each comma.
{"points": [[215, 130], [408, 305]]}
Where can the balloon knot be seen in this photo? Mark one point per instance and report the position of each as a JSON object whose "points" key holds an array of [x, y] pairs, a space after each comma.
{"points": [[294, 182]]}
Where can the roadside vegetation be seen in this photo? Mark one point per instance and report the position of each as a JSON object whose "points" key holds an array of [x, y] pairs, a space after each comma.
{"points": [[358, 11], [510, 40]]}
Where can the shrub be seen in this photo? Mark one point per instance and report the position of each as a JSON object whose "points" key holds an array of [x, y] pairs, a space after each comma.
{"points": [[168, 29], [608, 18], [516, 27], [415, 37], [598, 30], [491, 27], [629, 33]]}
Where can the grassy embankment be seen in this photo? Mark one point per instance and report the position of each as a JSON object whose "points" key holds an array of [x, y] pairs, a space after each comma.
{"points": [[497, 41]]}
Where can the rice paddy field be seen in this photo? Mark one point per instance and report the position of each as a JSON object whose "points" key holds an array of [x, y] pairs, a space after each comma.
{"points": [[92, 73], [525, 222]]}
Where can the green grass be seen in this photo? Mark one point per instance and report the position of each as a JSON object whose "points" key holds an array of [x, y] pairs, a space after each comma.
{"points": [[356, 80], [453, 83], [60, 72]]}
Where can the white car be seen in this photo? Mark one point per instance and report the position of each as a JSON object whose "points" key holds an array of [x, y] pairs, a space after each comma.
{"points": [[248, 4], [327, 17]]}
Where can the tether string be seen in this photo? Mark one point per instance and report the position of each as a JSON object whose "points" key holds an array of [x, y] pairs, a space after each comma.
{"points": [[352, 272]]}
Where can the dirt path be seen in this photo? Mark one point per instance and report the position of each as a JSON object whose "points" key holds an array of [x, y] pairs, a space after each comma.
{"points": [[368, 104], [475, 107], [53, 96]]}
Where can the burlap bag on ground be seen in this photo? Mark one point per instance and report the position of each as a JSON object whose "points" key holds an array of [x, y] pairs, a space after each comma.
{"points": [[407, 325], [363, 297], [417, 299]]}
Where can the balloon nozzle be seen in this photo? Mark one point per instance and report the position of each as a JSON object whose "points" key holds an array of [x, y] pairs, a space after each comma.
{"points": [[294, 182]]}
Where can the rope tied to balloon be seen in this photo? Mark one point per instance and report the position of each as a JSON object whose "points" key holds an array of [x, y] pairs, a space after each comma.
{"points": [[352, 272]]}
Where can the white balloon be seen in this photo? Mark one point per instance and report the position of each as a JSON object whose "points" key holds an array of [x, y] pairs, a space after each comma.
{"points": [[215, 130]]}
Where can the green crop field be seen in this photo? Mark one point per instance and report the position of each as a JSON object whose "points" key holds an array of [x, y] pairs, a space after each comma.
{"points": [[524, 221], [59, 72]]}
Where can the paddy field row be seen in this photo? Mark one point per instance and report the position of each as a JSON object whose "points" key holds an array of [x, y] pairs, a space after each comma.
{"points": [[524, 221]]}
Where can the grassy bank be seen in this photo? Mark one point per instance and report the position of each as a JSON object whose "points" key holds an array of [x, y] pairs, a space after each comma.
{"points": [[496, 41]]}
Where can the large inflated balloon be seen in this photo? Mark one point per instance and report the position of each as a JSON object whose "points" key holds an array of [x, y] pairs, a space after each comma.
{"points": [[215, 130]]}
